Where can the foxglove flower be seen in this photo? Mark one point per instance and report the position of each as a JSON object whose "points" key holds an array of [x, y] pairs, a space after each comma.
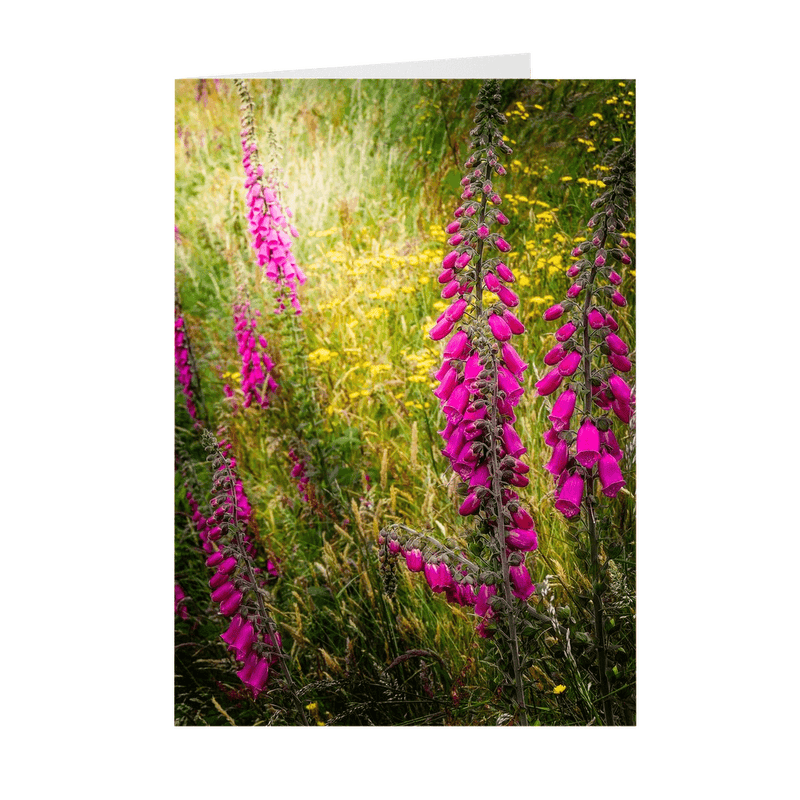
{"points": [[185, 367], [236, 583], [257, 380], [270, 230], [590, 354], [482, 372]]}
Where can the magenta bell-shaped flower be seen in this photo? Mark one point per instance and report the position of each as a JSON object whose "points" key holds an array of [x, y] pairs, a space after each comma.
{"points": [[570, 363], [574, 290], [616, 344], [505, 273], [519, 539], [258, 676], [491, 282], [562, 410], [620, 389], [512, 359], [456, 310], [569, 498], [470, 505], [450, 259], [508, 297], [482, 603], [610, 475], [559, 458], [588, 444], [450, 290], [554, 312], [229, 637], [231, 604], [622, 410], [513, 323], [500, 328], [521, 581], [414, 560], [621, 363], [553, 356], [441, 329], [512, 442], [456, 346], [565, 332], [596, 319], [549, 383], [618, 300]]}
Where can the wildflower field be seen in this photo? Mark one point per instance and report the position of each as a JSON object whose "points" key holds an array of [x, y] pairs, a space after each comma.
{"points": [[405, 465]]}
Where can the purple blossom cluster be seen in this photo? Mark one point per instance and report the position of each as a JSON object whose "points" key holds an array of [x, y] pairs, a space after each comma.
{"points": [[236, 582], [180, 605], [298, 472], [581, 437], [183, 365], [456, 584], [269, 225], [480, 386], [257, 381], [480, 377]]}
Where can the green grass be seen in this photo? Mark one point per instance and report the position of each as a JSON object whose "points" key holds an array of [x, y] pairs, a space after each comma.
{"points": [[372, 170]]}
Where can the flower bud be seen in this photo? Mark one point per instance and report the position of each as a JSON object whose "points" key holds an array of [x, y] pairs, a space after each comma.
{"points": [[620, 363], [508, 297], [565, 332], [554, 312], [450, 289], [616, 344], [505, 273], [450, 259], [499, 327], [574, 290], [615, 278], [491, 282], [502, 245], [618, 300], [513, 323], [441, 329], [549, 383], [570, 363]]}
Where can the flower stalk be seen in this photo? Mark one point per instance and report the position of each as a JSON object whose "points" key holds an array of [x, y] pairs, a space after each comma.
{"points": [[237, 583], [270, 230], [480, 385], [589, 454]]}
